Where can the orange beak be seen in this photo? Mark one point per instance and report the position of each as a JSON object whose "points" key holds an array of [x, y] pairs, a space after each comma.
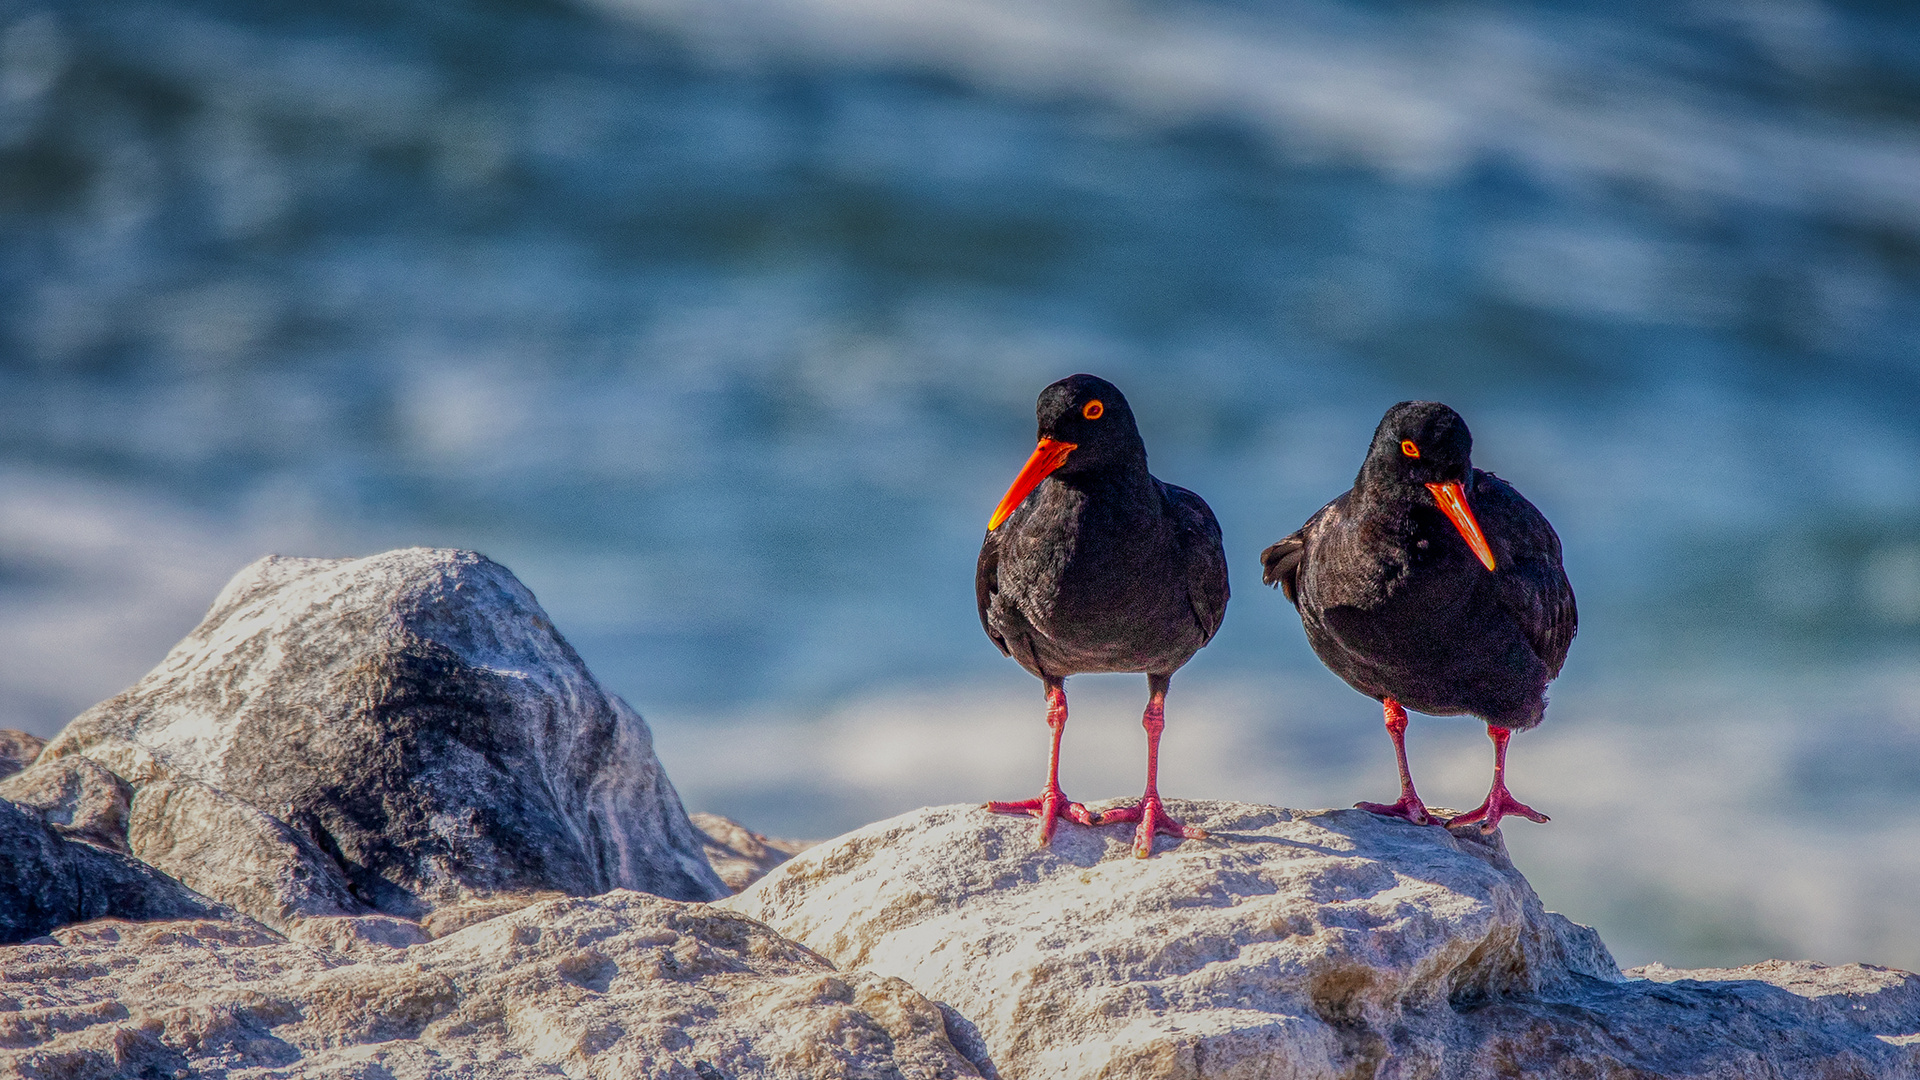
{"points": [[1048, 456], [1453, 503]]}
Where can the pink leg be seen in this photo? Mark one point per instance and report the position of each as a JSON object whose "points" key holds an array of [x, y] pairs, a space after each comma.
{"points": [[1053, 803], [1149, 813], [1499, 802], [1409, 806]]}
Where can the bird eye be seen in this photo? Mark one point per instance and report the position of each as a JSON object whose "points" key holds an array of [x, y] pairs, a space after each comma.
{"points": [[1093, 409], [1407, 448]]}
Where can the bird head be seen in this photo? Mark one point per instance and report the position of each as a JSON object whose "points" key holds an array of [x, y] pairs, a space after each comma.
{"points": [[1085, 426], [1424, 444]]}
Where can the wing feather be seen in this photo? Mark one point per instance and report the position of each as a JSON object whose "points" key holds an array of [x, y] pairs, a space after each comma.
{"points": [[986, 585], [1534, 584], [1205, 557]]}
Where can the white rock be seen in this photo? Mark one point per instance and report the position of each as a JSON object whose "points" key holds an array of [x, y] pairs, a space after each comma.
{"points": [[738, 854], [362, 937], [75, 795], [453, 918], [1292, 944], [621, 985], [416, 716], [17, 750]]}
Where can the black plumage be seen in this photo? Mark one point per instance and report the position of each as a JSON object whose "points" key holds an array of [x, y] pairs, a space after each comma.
{"points": [[1396, 600], [1092, 564]]}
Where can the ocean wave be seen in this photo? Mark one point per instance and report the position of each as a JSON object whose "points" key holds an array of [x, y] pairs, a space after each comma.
{"points": [[1572, 98]]}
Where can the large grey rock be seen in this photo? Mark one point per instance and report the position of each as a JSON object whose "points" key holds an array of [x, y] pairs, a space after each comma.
{"points": [[17, 750], [1296, 944], [621, 985], [417, 717], [49, 881], [75, 795], [221, 847]]}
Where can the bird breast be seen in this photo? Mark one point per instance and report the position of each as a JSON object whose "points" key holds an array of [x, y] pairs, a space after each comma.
{"points": [[1414, 578], [1090, 571]]}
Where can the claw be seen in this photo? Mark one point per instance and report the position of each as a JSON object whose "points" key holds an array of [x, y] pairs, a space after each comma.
{"points": [[1498, 805], [1153, 820], [1409, 808], [1050, 806]]}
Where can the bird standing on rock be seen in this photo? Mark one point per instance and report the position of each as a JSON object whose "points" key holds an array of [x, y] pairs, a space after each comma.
{"points": [[1435, 586], [1091, 564]]}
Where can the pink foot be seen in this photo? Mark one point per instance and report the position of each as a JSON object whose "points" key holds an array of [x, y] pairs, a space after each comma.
{"points": [[1153, 819], [1499, 804], [1049, 807], [1409, 807]]}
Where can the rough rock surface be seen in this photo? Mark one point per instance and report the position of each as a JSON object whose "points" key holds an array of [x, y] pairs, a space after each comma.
{"points": [[1883, 1000], [416, 716], [738, 854], [621, 985], [47, 880], [1295, 944], [17, 750], [75, 795], [453, 918], [220, 847], [362, 937]]}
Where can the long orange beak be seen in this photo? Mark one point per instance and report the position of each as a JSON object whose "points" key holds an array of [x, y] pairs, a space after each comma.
{"points": [[1453, 503], [1048, 456]]}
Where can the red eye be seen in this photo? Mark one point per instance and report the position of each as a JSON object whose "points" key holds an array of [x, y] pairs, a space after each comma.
{"points": [[1407, 448], [1093, 409]]}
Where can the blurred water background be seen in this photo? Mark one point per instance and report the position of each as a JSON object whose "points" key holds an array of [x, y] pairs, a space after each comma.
{"points": [[720, 323]]}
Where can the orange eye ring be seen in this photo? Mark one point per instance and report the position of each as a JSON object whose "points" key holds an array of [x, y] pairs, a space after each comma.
{"points": [[1408, 448], [1093, 410]]}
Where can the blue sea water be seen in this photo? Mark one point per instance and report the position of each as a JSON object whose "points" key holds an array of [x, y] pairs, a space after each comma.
{"points": [[721, 324]]}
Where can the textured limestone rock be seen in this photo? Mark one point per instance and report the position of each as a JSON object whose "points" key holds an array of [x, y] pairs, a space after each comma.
{"points": [[47, 881], [362, 937], [1296, 944], [621, 985], [453, 918], [220, 847], [738, 854], [17, 750], [416, 717], [1884, 1000], [75, 795]]}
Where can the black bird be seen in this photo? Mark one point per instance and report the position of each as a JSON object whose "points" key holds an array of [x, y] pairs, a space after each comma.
{"points": [[1091, 564], [1435, 586]]}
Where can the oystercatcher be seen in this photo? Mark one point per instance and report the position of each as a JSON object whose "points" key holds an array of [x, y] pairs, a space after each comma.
{"points": [[1433, 586], [1091, 564]]}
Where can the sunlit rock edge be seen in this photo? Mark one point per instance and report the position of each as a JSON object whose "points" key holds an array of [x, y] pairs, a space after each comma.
{"points": [[1297, 943]]}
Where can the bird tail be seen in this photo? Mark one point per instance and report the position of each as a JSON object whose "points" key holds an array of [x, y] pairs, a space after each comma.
{"points": [[1280, 565]]}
